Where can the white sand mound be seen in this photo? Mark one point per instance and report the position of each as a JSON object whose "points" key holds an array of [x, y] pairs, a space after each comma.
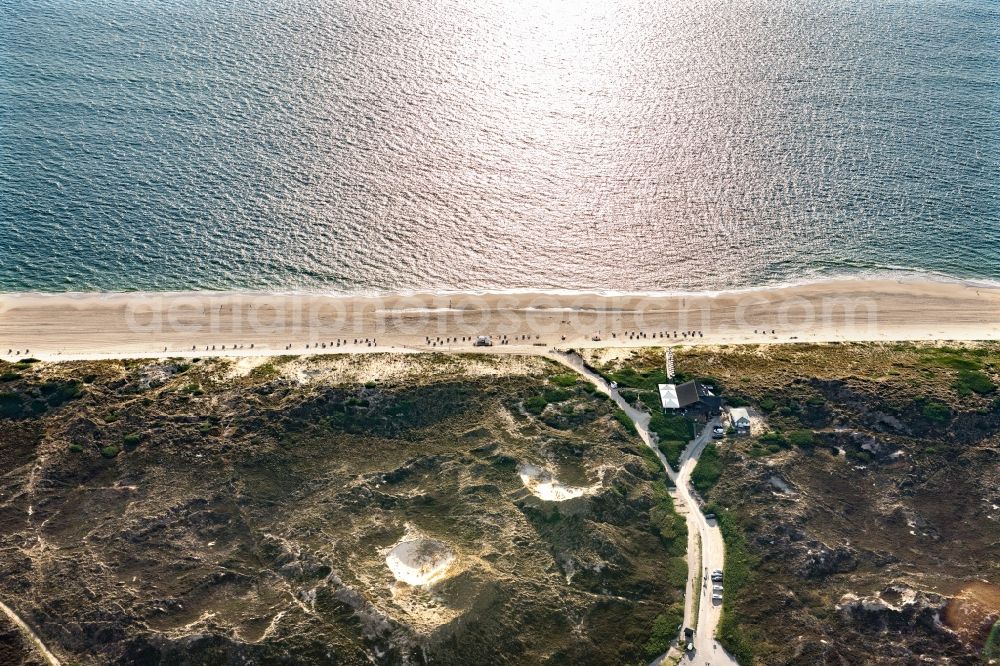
{"points": [[543, 485], [419, 561], [244, 365]]}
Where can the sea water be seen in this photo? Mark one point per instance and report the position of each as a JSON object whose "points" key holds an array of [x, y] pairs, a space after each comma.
{"points": [[367, 145]]}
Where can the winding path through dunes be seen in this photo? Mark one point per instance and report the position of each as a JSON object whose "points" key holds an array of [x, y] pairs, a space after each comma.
{"points": [[32, 636], [705, 550]]}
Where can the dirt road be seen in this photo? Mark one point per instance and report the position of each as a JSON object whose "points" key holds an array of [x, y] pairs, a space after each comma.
{"points": [[712, 549], [713, 554]]}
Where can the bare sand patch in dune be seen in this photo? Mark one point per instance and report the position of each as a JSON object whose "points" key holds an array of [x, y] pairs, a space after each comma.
{"points": [[542, 484], [419, 562]]}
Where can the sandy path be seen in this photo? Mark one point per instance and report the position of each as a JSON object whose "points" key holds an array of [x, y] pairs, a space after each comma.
{"points": [[712, 549], [713, 554], [32, 636]]}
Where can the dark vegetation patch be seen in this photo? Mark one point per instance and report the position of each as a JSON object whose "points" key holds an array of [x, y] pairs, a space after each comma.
{"points": [[936, 411], [566, 403], [663, 632], [673, 433], [741, 639], [974, 381], [670, 527], [991, 649], [11, 405], [708, 470]]}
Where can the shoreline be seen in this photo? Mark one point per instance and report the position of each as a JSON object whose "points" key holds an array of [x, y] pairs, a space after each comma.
{"points": [[901, 276], [137, 325]]}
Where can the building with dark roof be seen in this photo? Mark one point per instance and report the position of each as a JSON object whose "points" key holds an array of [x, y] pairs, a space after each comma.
{"points": [[689, 396]]}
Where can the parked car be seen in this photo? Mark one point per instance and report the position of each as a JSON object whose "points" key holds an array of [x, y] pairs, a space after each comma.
{"points": [[718, 432], [689, 639], [484, 341], [716, 576], [717, 598]]}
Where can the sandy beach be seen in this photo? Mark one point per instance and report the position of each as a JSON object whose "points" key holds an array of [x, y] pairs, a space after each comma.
{"points": [[94, 326]]}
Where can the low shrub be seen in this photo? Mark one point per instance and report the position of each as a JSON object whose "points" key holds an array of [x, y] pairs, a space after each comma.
{"points": [[739, 569], [629, 377], [804, 439], [59, 392], [565, 380], [708, 469], [973, 381], [556, 395], [667, 523], [670, 426], [774, 437], [672, 449], [626, 422], [264, 371], [949, 357], [991, 649], [860, 457], [535, 404], [663, 631], [937, 412], [653, 465], [132, 440], [11, 405]]}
